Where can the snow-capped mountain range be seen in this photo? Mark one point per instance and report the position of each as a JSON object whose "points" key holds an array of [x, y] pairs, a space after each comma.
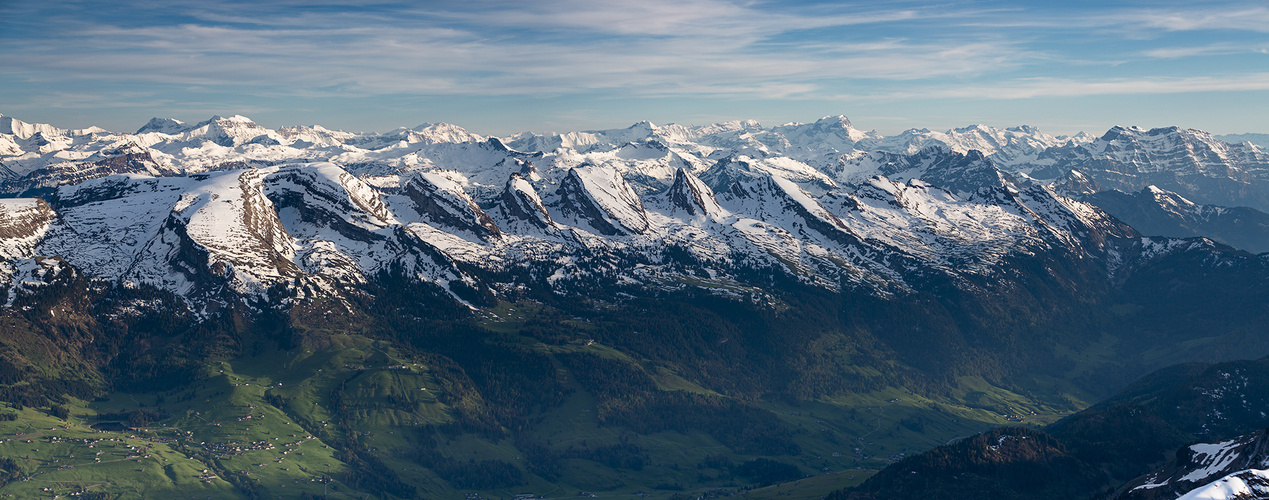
{"points": [[227, 206]]}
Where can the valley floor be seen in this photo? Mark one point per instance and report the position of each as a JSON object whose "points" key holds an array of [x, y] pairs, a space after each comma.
{"points": [[266, 426]]}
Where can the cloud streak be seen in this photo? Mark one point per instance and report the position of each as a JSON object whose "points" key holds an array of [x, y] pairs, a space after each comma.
{"points": [[258, 52], [657, 48], [1249, 19], [1058, 87]]}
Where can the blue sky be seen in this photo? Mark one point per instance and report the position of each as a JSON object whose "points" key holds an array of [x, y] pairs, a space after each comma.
{"points": [[497, 67]]}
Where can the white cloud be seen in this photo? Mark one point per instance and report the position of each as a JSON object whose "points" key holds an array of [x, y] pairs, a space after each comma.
{"points": [[658, 48], [673, 18], [655, 48], [1058, 87], [1205, 50], [1206, 17], [1132, 22]]}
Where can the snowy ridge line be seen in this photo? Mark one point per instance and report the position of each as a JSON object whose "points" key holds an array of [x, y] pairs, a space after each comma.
{"points": [[822, 153], [312, 227], [1221, 470], [222, 206], [1250, 483]]}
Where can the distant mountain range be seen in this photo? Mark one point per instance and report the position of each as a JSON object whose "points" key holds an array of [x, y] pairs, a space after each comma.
{"points": [[674, 294], [832, 204], [1261, 140]]}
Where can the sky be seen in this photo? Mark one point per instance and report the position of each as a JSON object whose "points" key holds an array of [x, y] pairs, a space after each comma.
{"points": [[499, 67]]}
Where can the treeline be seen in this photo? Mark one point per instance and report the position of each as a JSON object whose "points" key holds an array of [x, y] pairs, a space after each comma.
{"points": [[140, 417], [41, 391]]}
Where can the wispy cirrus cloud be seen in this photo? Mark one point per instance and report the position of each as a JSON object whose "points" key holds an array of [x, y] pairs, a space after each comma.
{"points": [[1127, 21], [260, 55], [1216, 49], [657, 48], [1060, 87], [1199, 17]]}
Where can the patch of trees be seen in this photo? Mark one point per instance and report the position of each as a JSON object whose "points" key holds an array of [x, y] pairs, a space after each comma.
{"points": [[470, 474], [766, 472], [156, 368], [1010, 462], [628, 397], [140, 417], [719, 461], [42, 391], [499, 380], [460, 393], [368, 473], [9, 372], [478, 475], [539, 459], [623, 455], [364, 471], [798, 343], [9, 470]]}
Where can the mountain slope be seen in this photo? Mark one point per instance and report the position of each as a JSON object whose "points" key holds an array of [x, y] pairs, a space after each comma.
{"points": [[656, 307], [1091, 453], [1154, 211], [1203, 470]]}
